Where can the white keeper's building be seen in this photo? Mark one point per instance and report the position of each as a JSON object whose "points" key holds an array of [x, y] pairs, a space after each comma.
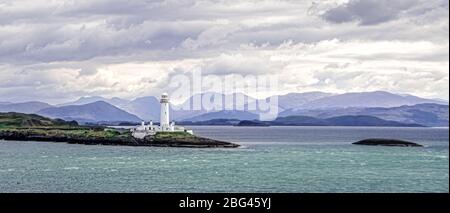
{"points": [[164, 125]]}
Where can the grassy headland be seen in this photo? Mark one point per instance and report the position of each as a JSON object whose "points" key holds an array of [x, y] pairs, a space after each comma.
{"points": [[30, 127]]}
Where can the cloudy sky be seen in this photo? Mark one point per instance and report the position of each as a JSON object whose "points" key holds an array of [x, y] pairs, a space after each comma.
{"points": [[59, 50]]}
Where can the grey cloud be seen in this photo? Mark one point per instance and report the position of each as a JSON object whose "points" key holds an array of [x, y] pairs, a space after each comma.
{"points": [[67, 44], [84, 30], [88, 70], [241, 64], [84, 36], [368, 12]]}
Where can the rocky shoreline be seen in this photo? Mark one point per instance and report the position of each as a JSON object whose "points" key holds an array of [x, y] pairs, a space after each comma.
{"points": [[30, 127]]}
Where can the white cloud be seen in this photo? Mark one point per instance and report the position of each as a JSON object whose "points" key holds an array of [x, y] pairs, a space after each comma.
{"points": [[57, 50]]}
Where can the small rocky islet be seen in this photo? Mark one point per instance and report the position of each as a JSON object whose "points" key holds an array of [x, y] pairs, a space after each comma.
{"points": [[386, 142], [30, 127]]}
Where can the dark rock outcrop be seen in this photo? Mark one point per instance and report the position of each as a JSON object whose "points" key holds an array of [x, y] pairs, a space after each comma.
{"points": [[184, 140], [386, 142]]}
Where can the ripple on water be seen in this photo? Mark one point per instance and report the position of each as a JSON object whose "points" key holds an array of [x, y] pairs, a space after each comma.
{"points": [[311, 160], [72, 168]]}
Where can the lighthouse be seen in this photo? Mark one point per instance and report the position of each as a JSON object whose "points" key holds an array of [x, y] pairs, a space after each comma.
{"points": [[164, 120], [144, 130]]}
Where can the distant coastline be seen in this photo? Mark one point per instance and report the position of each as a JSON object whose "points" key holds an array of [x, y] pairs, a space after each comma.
{"points": [[316, 107], [308, 121]]}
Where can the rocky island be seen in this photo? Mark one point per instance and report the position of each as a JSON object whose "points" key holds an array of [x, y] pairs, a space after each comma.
{"points": [[30, 127], [386, 142]]}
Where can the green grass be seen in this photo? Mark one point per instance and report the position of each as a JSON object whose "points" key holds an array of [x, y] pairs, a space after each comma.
{"points": [[19, 126], [3, 126], [20, 120], [74, 133], [35, 125], [38, 125]]}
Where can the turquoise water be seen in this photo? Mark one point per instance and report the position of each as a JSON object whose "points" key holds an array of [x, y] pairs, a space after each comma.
{"points": [[272, 159]]}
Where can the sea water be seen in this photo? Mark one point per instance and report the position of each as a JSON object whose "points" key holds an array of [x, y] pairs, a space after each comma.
{"points": [[271, 159]]}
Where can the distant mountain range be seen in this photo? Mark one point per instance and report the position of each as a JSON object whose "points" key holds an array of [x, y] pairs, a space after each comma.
{"points": [[228, 114], [92, 99], [406, 109], [26, 107], [365, 99], [147, 108], [99, 111], [348, 120], [225, 104], [293, 100], [427, 114]]}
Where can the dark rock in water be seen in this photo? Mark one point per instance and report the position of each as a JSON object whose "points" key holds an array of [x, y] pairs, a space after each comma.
{"points": [[387, 142]]}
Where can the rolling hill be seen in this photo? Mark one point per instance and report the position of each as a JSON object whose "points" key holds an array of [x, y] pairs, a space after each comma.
{"points": [[15, 120], [292, 100], [427, 114], [365, 100], [147, 108], [224, 114], [25, 107], [349, 120], [308, 121], [118, 102], [93, 112]]}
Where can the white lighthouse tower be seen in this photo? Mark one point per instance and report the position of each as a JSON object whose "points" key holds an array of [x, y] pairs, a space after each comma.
{"points": [[164, 121], [144, 130]]}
